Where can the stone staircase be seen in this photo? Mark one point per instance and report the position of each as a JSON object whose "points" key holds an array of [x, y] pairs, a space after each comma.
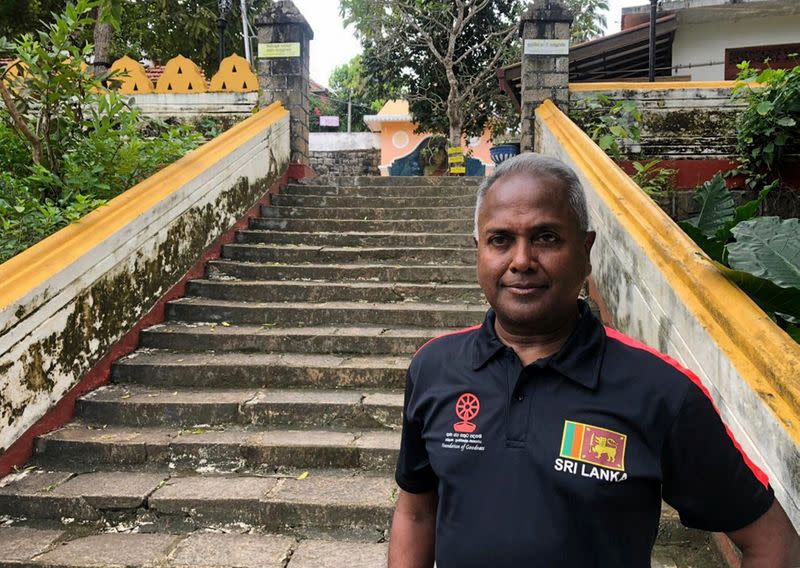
{"points": [[259, 424]]}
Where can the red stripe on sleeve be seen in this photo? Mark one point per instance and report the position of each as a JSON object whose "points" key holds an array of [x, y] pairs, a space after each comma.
{"points": [[629, 341], [466, 330]]}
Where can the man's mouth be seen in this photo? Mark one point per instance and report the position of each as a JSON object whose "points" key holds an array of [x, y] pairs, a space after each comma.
{"points": [[524, 288]]}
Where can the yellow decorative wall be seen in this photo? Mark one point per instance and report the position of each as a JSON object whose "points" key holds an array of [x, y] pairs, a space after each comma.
{"points": [[133, 78], [181, 75], [235, 75]]}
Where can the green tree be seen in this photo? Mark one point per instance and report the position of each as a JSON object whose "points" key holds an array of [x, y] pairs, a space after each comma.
{"points": [[155, 29], [441, 55], [19, 17], [348, 83], [590, 22], [161, 29]]}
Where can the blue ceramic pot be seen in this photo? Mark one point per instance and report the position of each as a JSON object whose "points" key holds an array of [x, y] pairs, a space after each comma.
{"points": [[502, 152]]}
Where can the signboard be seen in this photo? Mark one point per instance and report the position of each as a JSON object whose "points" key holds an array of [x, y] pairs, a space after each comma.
{"points": [[546, 47], [455, 159], [329, 121], [272, 50]]}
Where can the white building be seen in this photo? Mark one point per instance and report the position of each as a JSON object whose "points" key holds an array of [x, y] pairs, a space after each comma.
{"points": [[712, 36]]}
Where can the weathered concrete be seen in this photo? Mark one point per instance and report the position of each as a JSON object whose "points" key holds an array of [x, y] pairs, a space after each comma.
{"points": [[678, 123], [374, 213], [336, 201], [110, 550], [373, 239], [54, 330], [341, 272], [364, 224], [345, 313], [327, 554], [346, 162], [188, 107], [233, 550], [333, 292], [302, 254], [244, 338]]}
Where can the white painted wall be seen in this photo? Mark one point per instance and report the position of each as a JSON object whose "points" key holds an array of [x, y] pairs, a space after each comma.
{"points": [[706, 42], [339, 141], [186, 106]]}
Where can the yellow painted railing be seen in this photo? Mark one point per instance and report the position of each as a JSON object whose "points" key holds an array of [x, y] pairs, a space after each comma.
{"points": [[29, 269], [762, 353]]}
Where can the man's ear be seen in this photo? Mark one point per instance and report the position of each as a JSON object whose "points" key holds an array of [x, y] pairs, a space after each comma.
{"points": [[588, 244]]}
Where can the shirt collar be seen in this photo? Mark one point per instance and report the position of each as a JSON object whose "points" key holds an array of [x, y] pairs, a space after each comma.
{"points": [[579, 359]]}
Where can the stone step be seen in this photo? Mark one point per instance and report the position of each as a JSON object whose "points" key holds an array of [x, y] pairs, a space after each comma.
{"points": [[25, 547], [203, 448], [175, 370], [406, 314], [327, 500], [380, 191], [357, 239], [339, 201], [361, 225], [228, 269], [293, 291], [371, 213], [180, 336], [294, 254], [142, 406], [394, 181]]}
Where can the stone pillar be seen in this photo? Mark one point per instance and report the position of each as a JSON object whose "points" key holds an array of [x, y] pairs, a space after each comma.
{"points": [[283, 72], [545, 64]]}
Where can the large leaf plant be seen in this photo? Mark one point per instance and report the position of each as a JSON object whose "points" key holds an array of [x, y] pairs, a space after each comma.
{"points": [[761, 255]]}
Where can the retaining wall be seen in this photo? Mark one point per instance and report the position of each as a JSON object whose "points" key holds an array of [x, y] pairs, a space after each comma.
{"points": [[661, 289], [66, 300], [679, 120], [345, 153], [191, 107]]}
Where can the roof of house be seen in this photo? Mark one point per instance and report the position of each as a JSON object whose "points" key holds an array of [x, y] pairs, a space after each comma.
{"points": [[392, 111]]}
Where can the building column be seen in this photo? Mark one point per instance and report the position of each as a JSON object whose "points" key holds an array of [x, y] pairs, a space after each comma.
{"points": [[545, 29], [282, 68]]}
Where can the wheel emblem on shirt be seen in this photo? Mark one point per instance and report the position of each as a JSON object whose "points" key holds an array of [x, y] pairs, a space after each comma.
{"points": [[467, 408]]}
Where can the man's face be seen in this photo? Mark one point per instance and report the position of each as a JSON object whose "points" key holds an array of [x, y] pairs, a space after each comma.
{"points": [[532, 256]]}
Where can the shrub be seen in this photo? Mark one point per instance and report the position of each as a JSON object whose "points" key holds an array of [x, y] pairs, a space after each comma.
{"points": [[68, 145]]}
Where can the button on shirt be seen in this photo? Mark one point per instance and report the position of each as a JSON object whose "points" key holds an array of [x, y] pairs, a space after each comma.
{"points": [[565, 462]]}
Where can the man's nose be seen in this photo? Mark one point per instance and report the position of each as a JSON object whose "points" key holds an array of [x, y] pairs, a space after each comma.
{"points": [[523, 258]]}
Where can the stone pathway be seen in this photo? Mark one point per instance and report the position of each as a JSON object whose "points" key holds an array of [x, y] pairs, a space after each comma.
{"points": [[259, 424]]}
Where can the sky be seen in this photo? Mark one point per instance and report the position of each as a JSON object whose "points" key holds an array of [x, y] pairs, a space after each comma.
{"points": [[334, 45]]}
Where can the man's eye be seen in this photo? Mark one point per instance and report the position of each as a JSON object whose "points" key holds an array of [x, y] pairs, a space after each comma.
{"points": [[547, 238], [498, 240]]}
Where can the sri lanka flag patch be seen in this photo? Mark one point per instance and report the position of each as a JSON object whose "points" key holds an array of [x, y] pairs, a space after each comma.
{"points": [[594, 445]]}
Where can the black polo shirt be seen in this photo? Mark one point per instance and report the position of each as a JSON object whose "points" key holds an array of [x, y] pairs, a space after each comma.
{"points": [[565, 462]]}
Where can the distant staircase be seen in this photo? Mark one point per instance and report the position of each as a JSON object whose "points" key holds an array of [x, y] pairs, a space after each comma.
{"points": [[259, 424]]}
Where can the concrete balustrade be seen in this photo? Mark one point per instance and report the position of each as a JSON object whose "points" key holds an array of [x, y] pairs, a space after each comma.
{"points": [[67, 300], [660, 288]]}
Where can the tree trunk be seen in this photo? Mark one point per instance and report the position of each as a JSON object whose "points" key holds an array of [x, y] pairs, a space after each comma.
{"points": [[103, 33]]}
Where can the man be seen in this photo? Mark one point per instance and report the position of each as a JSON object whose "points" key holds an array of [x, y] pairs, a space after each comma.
{"points": [[541, 439]]}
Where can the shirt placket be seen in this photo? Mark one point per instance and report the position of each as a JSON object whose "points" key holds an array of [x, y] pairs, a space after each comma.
{"points": [[518, 401]]}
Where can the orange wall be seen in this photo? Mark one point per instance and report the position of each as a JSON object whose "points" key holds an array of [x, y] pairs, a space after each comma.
{"points": [[398, 139]]}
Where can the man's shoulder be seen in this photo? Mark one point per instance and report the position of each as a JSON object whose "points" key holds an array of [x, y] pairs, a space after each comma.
{"points": [[446, 346], [627, 356]]}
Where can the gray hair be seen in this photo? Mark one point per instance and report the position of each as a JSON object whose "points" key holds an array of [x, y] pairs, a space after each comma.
{"points": [[536, 165]]}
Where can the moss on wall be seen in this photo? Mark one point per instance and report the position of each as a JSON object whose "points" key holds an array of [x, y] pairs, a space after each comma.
{"points": [[111, 306]]}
